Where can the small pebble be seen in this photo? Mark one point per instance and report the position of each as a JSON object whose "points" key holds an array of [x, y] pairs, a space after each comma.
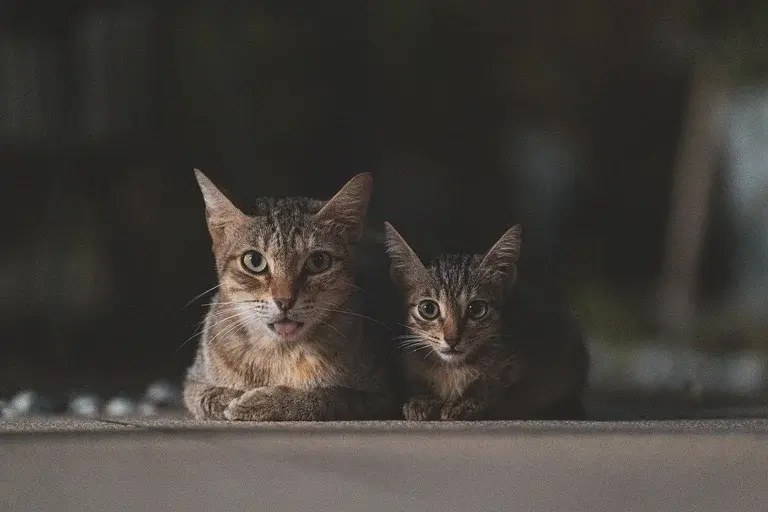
{"points": [[147, 409], [119, 406], [163, 393], [85, 405]]}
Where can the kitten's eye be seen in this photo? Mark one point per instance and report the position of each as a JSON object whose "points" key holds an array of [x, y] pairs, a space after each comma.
{"points": [[477, 310], [255, 262], [318, 262], [428, 309]]}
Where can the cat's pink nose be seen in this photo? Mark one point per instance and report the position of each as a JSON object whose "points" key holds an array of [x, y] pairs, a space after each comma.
{"points": [[284, 303]]}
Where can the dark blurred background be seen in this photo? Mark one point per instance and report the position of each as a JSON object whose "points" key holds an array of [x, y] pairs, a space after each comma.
{"points": [[630, 139]]}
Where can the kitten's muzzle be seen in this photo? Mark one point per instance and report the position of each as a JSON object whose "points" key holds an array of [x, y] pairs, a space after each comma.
{"points": [[452, 342], [451, 355]]}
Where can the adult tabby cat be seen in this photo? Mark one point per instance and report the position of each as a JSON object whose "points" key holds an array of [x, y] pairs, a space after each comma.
{"points": [[477, 349], [284, 338]]}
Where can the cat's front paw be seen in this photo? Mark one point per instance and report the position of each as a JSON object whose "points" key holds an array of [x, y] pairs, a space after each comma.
{"points": [[420, 409], [214, 401], [461, 409], [259, 404]]}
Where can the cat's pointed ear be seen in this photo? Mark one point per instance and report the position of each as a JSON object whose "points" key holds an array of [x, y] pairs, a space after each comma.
{"points": [[219, 210], [405, 266], [349, 205], [502, 257]]}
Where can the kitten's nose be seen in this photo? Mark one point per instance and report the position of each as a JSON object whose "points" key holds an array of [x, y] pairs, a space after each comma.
{"points": [[452, 342], [284, 304]]}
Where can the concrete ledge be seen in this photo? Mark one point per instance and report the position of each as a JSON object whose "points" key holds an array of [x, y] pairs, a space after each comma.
{"points": [[37, 427], [590, 466]]}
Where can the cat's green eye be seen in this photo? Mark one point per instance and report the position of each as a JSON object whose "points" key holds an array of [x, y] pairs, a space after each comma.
{"points": [[428, 309], [318, 262], [477, 309], [255, 262]]}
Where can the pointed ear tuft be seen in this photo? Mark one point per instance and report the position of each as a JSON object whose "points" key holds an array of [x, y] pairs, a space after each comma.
{"points": [[405, 266], [349, 205], [219, 210], [503, 256]]}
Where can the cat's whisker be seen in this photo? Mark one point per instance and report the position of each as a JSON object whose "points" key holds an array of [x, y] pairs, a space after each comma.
{"points": [[226, 331], [344, 312], [222, 303], [195, 335], [323, 322], [221, 321], [352, 285], [238, 322], [200, 295], [229, 308]]}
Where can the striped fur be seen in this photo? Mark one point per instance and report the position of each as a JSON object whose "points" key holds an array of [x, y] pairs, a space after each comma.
{"points": [[520, 359], [327, 369]]}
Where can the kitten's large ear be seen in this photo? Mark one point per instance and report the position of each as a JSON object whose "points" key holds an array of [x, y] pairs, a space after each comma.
{"points": [[503, 256], [349, 205], [405, 266], [219, 211]]}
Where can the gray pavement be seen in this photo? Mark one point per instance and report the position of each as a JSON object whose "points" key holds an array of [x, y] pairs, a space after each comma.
{"points": [[176, 464]]}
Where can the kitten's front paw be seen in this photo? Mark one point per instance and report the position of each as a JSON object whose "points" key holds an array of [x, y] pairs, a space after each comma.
{"points": [[420, 409], [461, 409], [259, 404]]}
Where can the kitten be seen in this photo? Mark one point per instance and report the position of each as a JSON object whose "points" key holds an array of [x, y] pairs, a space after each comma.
{"points": [[476, 350], [284, 338]]}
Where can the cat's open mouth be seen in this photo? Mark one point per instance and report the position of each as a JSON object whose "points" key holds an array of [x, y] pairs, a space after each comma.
{"points": [[286, 327]]}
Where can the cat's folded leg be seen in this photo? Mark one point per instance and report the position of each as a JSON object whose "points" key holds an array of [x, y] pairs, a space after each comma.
{"points": [[206, 402], [282, 403]]}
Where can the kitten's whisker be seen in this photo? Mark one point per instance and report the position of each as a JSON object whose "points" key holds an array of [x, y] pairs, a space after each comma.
{"points": [[421, 332], [416, 350], [410, 339]]}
